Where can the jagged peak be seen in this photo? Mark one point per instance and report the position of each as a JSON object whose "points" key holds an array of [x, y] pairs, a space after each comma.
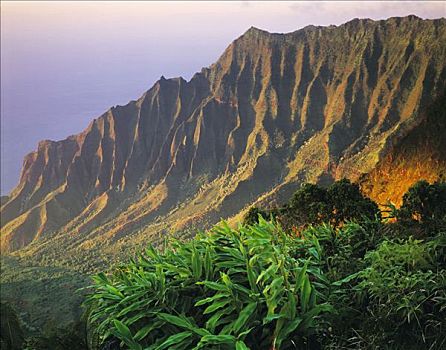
{"points": [[44, 143], [255, 30], [358, 20], [163, 80], [163, 84]]}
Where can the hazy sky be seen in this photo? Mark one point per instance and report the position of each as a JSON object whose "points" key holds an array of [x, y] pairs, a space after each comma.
{"points": [[64, 63]]}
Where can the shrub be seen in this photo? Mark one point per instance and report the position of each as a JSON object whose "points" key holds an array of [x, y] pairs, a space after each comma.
{"points": [[339, 203], [396, 299], [348, 203], [309, 205], [406, 287], [343, 248], [226, 289], [350, 281], [426, 204]]}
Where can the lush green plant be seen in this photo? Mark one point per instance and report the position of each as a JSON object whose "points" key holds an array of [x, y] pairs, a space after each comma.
{"points": [[425, 203], [343, 248], [406, 286], [387, 292], [226, 289], [394, 297]]}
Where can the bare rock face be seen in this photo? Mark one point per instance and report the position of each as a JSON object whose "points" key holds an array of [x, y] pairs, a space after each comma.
{"points": [[274, 111]]}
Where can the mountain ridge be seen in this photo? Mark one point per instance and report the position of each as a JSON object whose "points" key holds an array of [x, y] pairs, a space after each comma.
{"points": [[273, 111]]}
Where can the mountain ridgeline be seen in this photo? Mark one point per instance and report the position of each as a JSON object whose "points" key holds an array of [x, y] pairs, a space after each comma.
{"points": [[275, 110]]}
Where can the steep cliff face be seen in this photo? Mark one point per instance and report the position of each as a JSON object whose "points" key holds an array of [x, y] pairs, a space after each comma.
{"points": [[275, 110], [421, 154]]}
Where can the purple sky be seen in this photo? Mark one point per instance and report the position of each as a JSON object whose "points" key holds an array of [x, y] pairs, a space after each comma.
{"points": [[64, 63]]}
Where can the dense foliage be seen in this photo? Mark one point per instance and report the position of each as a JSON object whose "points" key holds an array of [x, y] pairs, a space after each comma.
{"points": [[312, 205], [395, 297], [343, 280], [13, 335], [323, 271], [247, 288]]}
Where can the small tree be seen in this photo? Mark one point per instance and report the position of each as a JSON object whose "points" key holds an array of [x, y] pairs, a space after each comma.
{"points": [[424, 203], [347, 203], [308, 206], [341, 202]]}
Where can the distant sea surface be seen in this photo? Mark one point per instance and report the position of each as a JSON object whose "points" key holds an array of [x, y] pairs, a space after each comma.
{"points": [[57, 77], [53, 107]]}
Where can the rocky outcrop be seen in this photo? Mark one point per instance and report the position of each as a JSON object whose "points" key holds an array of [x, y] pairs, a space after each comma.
{"points": [[275, 110]]}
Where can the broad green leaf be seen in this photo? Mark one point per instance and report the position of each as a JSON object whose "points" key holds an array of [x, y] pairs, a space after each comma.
{"points": [[346, 279], [122, 329], [174, 339], [214, 285], [215, 306], [305, 294], [114, 291], [210, 299], [300, 278], [276, 283], [292, 306], [251, 277], [240, 345], [143, 332], [226, 280], [208, 263], [243, 316], [270, 318], [175, 320], [218, 339], [288, 329], [214, 320], [182, 322], [271, 270], [196, 263]]}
